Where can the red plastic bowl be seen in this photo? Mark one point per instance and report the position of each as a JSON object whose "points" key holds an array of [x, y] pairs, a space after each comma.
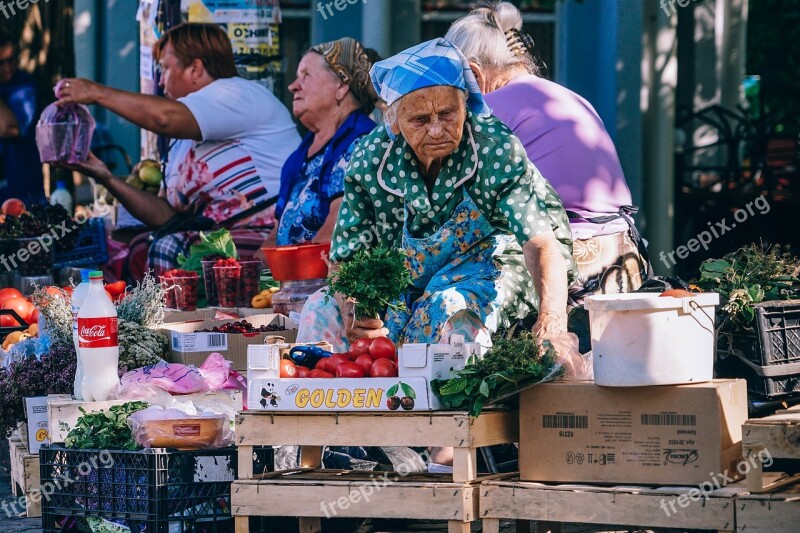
{"points": [[303, 261]]}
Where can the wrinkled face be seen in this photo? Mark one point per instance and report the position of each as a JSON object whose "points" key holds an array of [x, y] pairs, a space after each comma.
{"points": [[175, 78], [8, 63], [315, 87], [432, 121]]}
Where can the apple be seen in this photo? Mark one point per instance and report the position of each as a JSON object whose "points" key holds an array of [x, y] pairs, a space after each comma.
{"points": [[13, 207], [150, 172]]}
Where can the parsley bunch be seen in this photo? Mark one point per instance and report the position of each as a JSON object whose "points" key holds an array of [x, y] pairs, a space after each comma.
{"points": [[105, 430], [511, 364], [373, 278]]}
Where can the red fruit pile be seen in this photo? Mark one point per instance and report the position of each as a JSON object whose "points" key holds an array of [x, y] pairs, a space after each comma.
{"points": [[243, 327], [376, 358]]}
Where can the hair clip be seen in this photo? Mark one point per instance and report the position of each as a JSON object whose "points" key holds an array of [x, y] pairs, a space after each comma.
{"points": [[519, 43]]}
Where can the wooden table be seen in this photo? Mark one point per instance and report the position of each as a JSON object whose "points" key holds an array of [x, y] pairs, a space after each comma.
{"points": [[551, 505], [313, 494]]}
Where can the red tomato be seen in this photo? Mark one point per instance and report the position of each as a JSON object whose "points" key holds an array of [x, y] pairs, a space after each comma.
{"points": [[366, 362], [8, 321], [69, 290], [349, 369], [383, 348], [334, 361], [6, 294], [321, 364], [33, 317], [288, 368], [383, 368], [54, 291], [319, 374], [302, 372], [361, 346], [22, 306]]}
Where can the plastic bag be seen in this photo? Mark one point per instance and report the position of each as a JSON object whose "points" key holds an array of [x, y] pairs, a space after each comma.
{"points": [[172, 377], [219, 375], [64, 134], [156, 427]]}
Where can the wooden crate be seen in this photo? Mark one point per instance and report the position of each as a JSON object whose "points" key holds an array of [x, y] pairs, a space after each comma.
{"points": [[769, 513], [302, 492], [63, 411], [776, 436], [25, 480], [552, 505]]}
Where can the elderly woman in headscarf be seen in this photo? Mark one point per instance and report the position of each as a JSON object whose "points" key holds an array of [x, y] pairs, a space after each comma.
{"points": [[486, 237], [333, 96]]}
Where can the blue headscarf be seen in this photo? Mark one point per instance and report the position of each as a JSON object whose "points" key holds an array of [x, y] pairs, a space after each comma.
{"points": [[432, 63]]}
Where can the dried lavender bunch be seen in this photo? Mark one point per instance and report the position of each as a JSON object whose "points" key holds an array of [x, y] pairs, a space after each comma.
{"points": [[144, 305], [57, 313]]}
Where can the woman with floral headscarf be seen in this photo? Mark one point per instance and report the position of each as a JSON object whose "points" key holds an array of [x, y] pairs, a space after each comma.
{"points": [[333, 96], [486, 237]]}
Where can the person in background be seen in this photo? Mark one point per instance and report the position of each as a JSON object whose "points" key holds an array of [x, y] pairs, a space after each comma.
{"points": [[20, 167], [566, 140], [333, 97], [231, 137]]}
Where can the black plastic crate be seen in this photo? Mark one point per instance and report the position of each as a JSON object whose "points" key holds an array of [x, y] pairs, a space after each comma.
{"points": [[90, 247], [776, 340], [777, 385], [153, 490]]}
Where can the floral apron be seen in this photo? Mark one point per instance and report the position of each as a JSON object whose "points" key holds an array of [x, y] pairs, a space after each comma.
{"points": [[467, 265]]}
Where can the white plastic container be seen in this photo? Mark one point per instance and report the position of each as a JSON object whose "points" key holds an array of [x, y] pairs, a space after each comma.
{"points": [[98, 344], [62, 197], [78, 295], [641, 339]]}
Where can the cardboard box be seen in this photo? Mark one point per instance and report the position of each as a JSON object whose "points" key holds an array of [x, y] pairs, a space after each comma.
{"points": [[338, 394], [418, 365], [436, 361], [189, 346], [36, 409], [172, 316], [666, 435]]}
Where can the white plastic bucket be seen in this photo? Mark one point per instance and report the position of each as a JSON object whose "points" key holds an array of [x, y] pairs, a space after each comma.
{"points": [[641, 339]]}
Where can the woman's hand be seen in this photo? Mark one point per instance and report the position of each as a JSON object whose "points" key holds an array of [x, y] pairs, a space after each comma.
{"points": [[78, 91], [359, 327], [92, 167], [553, 328]]}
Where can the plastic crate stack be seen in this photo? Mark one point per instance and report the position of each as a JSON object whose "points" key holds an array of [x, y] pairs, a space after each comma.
{"points": [[152, 490], [89, 249], [769, 357]]}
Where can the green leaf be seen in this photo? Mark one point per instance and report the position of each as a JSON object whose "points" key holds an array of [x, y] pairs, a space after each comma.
{"points": [[392, 391], [454, 386], [408, 390], [484, 389]]}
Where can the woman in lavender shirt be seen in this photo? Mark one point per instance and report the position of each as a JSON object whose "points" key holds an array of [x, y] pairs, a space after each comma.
{"points": [[568, 143]]}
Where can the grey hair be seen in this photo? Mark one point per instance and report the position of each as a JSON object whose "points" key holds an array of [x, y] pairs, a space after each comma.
{"points": [[481, 37], [390, 112]]}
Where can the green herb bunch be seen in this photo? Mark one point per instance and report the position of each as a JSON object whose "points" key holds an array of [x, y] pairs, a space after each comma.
{"points": [[511, 364], [106, 429], [374, 278], [749, 276]]}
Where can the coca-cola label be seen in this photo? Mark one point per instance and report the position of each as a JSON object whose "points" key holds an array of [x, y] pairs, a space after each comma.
{"points": [[97, 332]]}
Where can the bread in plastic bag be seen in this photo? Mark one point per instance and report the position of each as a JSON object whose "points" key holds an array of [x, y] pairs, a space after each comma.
{"points": [[156, 427], [64, 134]]}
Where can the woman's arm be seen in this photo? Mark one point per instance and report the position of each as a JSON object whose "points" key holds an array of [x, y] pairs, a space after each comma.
{"points": [[549, 272], [154, 113], [325, 233], [147, 207]]}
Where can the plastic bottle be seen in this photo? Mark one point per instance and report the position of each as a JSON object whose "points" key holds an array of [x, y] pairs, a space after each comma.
{"points": [[78, 295], [62, 196], [98, 346]]}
